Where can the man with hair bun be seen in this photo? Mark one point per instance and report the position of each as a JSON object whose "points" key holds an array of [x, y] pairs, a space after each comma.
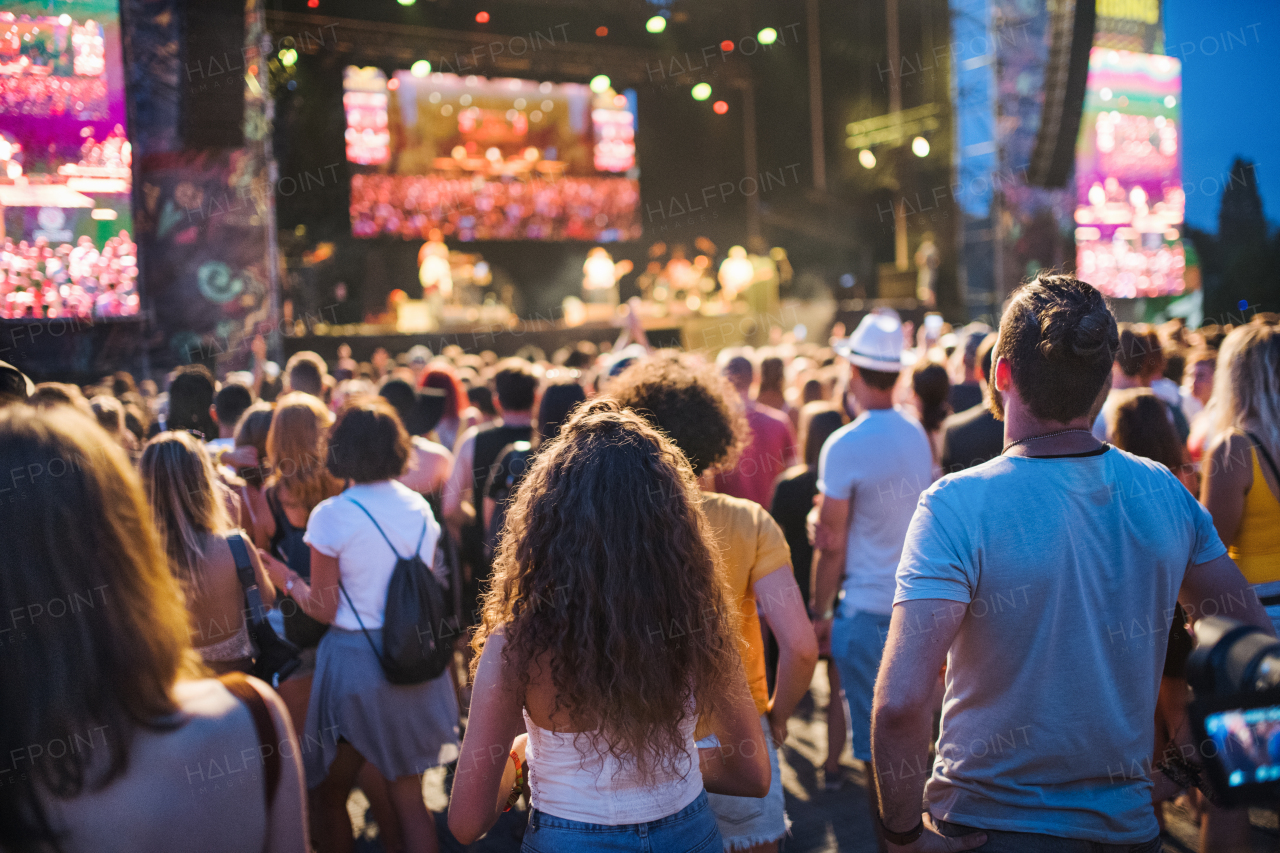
{"points": [[1024, 576]]}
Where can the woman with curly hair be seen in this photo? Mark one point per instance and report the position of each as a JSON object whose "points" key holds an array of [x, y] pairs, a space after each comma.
{"points": [[607, 629], [698, 409]]}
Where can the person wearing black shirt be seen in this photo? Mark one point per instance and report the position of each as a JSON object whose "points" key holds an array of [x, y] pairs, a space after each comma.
{"points": [[973, 436]]}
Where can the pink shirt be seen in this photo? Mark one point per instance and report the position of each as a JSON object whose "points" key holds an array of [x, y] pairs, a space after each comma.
{"points": [[770, 451]]}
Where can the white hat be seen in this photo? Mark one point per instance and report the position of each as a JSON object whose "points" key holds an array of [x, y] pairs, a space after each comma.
{"points": [[419, 354], [876, 344]]}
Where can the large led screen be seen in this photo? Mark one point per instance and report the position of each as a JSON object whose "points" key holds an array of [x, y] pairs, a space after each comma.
{"points": [[65, 160], [480, 158], [1129, 198]]}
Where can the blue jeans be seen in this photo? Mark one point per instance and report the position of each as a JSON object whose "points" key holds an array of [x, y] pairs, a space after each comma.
{"points": [[857, 643], [690, 830]]}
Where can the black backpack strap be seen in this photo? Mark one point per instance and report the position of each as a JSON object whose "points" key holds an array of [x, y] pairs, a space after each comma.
{"points": [[384, 535], [1262, 450], [244, 571]]}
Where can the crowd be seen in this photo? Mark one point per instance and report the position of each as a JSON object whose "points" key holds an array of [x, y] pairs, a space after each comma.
{"points": [[622, 566], [568, 208], [44, 96], [39, 280]]}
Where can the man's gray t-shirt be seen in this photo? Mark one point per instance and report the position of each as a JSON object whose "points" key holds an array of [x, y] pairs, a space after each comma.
{"points": [[1069, 569]]}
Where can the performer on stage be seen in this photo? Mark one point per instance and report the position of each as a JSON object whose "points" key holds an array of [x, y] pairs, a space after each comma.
{"points": [[435, 275], [600, 277]]}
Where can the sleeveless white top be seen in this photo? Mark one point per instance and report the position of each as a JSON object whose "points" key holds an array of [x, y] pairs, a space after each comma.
{"points": [[591, 786]]}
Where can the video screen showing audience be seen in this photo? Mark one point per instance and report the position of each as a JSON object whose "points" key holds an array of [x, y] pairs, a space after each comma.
{"points": [[490, 159]]}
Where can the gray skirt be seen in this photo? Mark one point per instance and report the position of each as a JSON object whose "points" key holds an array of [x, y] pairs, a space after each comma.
{"points": [[402, 729]]}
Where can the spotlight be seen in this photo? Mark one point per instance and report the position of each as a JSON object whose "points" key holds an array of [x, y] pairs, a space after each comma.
{"points": [[720, 107], [867, 159], [701, 91], [726, 46], [767, 36], [311, 4], [602, 31], [599, 84], [482, 17], [920, 146], [421, 68], [656, 24], [406, 2], [288, 56]]}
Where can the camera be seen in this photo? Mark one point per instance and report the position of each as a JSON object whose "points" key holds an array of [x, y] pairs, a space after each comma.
{"points": [[1234, 673]]}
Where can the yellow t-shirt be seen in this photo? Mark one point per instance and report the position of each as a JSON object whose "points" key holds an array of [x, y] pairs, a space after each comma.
{"points": [[752, 546]]}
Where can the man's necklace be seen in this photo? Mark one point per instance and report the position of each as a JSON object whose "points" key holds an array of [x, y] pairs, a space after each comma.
{"points": [[1038, 437]]}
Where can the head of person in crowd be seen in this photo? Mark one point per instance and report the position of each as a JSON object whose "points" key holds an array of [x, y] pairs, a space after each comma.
{"points": [[558, 402], [231, 401], [306, 371], [443, 377], [481, 397], [516, 385], [931, 385], [15, 387], [1139, 359], [403, 397], [1198, 373], [252, 431], [741, 373], [109, 413], [367, 443], [1246, 386], [128, 641], [817, 422], [49, 394], [773, 380], [1139, 423], [812, 392], [1053, 357], [122, 384], [609, 512], [297, 449], [965, 357], [186, 500], [685, 398], [191, 393], [875, 355], [418, 359]]}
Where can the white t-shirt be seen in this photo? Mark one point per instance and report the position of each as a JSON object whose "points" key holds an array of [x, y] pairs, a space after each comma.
{"points": [[1069, 570], [338, 528], [880, 463]]}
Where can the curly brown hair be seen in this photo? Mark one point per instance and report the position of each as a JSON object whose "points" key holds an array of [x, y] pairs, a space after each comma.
{"points": [[696, 407], [605, 571]]}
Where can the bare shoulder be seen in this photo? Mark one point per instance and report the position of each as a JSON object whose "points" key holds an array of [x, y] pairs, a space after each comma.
{"points": [[1231, 456]]}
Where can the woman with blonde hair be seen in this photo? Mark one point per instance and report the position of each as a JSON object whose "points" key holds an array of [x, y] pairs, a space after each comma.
{"points": [[297, 446], [108, 722], [190, 514], [607, 635], [1240, 487]]}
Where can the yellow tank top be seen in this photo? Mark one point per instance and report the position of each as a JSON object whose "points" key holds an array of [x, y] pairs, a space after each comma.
{"points": [[1257, 546]]}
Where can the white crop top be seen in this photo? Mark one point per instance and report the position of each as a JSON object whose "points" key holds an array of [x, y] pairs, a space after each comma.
{"points": [[593, 787]]}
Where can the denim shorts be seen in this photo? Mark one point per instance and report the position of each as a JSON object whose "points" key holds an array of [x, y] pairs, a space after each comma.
{"points": [[690, 830], [748, 821], [999, 841]]}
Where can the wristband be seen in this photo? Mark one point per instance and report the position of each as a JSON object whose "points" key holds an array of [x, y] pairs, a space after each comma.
{"points": [[902, 839], [518, 785]]}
